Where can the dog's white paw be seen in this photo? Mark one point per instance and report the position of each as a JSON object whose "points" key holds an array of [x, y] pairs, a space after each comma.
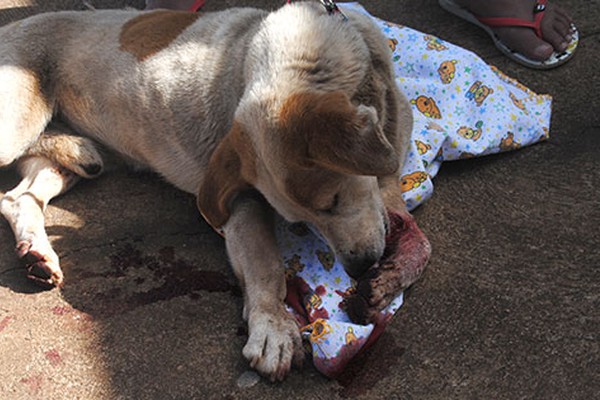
{"points": [[41, 262], [26, 218], [274, 343]]}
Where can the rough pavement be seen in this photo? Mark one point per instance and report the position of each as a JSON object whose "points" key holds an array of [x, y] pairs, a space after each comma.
{"points": [[508, 309]]}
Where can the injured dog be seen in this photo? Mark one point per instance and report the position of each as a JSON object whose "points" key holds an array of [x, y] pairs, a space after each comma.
{"points": [[295, 112]]}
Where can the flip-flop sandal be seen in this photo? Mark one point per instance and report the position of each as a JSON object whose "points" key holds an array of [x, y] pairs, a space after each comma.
{"points": [[198, 4], [486, 24]]}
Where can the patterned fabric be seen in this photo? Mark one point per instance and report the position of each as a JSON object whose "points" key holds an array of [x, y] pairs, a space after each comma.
{"points": [[463, 108]]}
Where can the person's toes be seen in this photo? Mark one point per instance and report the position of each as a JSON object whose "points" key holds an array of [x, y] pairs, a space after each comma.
{"points": [[556, 32], [524, 41], [563, 30], [540, 52], [563, 15]]}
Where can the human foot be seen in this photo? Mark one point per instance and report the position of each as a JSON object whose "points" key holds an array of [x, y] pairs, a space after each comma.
{"points": [[183, 5], [533, 33], [556, 26]]}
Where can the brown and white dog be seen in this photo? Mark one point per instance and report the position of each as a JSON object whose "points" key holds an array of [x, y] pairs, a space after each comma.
{"points": [[294, 111]]}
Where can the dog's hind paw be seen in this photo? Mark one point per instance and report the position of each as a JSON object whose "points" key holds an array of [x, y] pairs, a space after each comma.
{"points": [[274, 343], [42, 266], [403, 262]]}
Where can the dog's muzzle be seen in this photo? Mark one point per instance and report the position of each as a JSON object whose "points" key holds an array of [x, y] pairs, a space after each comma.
{"points": [[357, 264]]}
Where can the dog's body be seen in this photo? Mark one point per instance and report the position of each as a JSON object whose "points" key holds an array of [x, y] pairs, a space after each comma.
{"points": [[295, 111]]}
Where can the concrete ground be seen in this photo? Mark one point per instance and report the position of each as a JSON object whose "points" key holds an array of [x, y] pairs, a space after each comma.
{"points": [[509, 307]]}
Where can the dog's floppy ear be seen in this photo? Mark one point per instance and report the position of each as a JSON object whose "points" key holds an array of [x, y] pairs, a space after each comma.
{"points": [[339, 135], [231, 169]]}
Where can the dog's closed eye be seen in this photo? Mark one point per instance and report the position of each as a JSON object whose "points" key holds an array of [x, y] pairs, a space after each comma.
{"points": [[331, 207]]}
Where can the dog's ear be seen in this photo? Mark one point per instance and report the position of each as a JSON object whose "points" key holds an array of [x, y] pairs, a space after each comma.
{"points": [[339, 135], [231, 169]]}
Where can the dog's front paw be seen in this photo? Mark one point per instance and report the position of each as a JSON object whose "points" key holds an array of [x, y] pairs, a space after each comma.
{"points": [[274, 343]]}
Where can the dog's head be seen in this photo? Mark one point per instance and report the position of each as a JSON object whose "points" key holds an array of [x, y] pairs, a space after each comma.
{"points": [[318, 160]]}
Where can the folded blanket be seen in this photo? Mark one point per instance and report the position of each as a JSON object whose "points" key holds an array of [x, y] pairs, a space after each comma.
{"points": [[463, 108]]}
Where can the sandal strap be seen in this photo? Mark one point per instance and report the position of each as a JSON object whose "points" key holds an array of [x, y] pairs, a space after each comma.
{"points": [[198, 4], [536, 24]]}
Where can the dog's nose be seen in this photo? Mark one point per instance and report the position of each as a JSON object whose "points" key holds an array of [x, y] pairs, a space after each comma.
{"points": [[357, 265]]}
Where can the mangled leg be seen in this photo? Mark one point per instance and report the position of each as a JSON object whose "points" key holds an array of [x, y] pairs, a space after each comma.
{"points": [[403, 262]]}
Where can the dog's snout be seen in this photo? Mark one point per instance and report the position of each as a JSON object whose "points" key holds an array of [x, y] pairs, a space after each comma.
{"points": [[357, 265]]}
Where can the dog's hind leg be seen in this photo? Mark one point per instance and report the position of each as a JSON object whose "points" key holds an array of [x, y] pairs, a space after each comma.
{"points": [[71, 151], [24, 110], [23, 207], [43, 179]]}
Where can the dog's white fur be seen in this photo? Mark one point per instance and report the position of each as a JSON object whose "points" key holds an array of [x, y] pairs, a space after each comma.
{"points": [[295, 111]]}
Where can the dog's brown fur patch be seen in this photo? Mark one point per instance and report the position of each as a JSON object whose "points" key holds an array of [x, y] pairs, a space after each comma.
{"points": [[326, 128], [25, 109], [149, 33], [232, 169], [38, 103]]}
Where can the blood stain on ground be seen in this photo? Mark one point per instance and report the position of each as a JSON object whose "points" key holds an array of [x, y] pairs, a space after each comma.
{"points": [[4, 323], [54, 357], [34, 383], [369, 368], [61, 310], [174, 277]]}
